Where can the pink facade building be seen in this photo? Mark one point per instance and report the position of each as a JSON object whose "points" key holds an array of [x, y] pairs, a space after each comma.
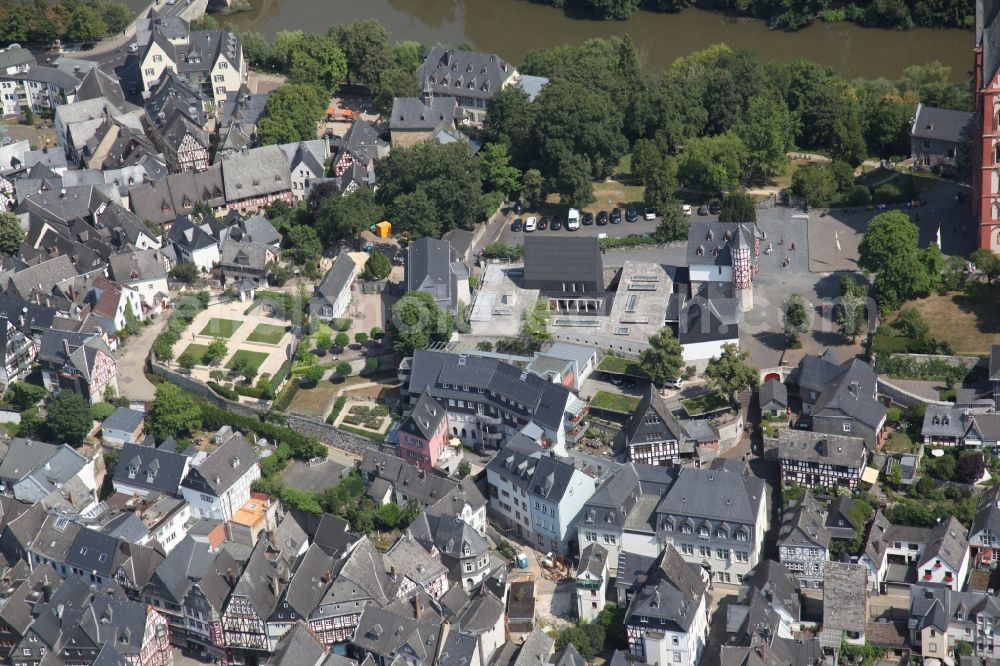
{"points": [[423, 435]]}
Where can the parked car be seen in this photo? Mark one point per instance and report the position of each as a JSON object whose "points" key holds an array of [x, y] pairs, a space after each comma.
{"points": [[650, 213], [518, 207], [530, 224], [675, 383], [543, 224], [703, 210], [631, 215], [573, 223], [715, 208], [616, 216], [686, 209], [517, 225], [133, 47], [588, 219], [602, 218], [556, 223]]}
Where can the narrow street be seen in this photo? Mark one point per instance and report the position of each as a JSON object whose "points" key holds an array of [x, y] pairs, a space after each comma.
{"points": [[132, 382]]}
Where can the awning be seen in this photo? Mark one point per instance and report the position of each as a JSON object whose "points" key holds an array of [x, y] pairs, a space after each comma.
{"points": [[869, 476], [456, 442]]}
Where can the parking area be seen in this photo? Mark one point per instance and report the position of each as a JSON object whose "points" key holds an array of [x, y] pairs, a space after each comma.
{"points": [[640, 227]]}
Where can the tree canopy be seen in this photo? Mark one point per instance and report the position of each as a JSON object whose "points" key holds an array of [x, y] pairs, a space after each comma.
{"points": [[291, 114], [417, 321], [68, 418], [731, 371], [11, 234], [889, 248], [663, 360], [174, 412]]}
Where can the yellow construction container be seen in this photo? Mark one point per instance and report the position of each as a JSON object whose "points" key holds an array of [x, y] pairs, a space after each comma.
{"points": [[383, 229]]}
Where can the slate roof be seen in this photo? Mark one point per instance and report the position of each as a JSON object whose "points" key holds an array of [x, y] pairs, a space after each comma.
{"points": [[24, 455], [845, 597], [429, 268], [414, 114], [994, 362], [949, 125], [773, 392], [53, 473], [451, 536], [181, 96], [222, 467], [803, 524], [818, 372], [774, 581], [408, 558], [553, 259], [713, 242], [539, 475], [333, 535], [818, 447], [363, 142], [651, 421], [161, 201], [568, 656], [156, 470], [83, 348], [459, 649], [535, 649], [139, 265], [298, 646], [425, 417], [455, 500], [670, 594], [257, 172], [943, 421], [447, 71], [338, 278], [612, 503], [386, 634], [987, 512], [714, 495], [947, 543], [593, 560], [42, 278], [707, 320], [94, 551], [308, 584], [545, 401], [852, 393], [839, 522]]}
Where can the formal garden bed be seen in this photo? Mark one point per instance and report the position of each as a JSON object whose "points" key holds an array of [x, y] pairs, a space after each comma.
{"points": [[253, 359], [220, 328], [268, 334], [614, 402]]}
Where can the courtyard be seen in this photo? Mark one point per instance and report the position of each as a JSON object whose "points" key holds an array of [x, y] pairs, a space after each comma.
{"points": [[251, 338]]}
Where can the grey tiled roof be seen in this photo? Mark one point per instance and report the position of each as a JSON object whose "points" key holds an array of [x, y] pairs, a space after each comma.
{"points": [[593, 560], [425, 417], [845, 597], [806, 446], [413, 113], [258, 172], [387, 634], [714, 495], [713, 242], [803, 524], [429, 268], [540, 475], [155, 470], [651, 421], [773, 391], [943, 421], [459, 73], [223, 466], [948, 125], [852, 393], [338, 278], [947, 543], [554, 259], [671, 594]]}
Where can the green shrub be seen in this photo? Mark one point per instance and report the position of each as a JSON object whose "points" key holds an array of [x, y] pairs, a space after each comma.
{"points": [[341, 324], [101, 411], [284, 398], [887, 193], [250, 391], [338, 406], [859, 196], [224, 391]]}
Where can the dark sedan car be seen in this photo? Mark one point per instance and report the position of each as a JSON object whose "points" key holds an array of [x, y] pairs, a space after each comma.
{"points": [[616, 216], [715, 208], [703, 210], [631, 215], [517, 225], [602, 218], [543, 224], [588, 219], [557, 223]]}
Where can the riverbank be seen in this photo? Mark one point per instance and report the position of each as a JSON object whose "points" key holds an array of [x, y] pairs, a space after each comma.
{"points": [[513, 27]]}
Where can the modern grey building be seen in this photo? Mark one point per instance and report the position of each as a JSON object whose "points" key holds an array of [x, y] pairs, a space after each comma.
{"points": [[569, 271]]}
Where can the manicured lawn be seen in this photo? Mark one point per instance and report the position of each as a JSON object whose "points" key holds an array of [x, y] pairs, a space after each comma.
{"points": [[197, 350], [969, 322], [253, 358], [313, 401], [268, 334], [221, 328], [704, 403], [899, 442], [614, 402], [617, 365]]}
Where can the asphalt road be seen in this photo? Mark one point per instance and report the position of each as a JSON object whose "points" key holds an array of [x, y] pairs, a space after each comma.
{"points": [[640, 227]]}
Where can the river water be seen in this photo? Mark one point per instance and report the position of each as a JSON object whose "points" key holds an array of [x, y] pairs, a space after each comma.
{"points": [[512, 27]]}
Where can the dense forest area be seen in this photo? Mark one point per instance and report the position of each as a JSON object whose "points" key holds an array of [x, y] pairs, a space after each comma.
{"points": [[43, 22], [796, 14]]}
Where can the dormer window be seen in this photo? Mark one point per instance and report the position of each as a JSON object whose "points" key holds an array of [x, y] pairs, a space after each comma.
{"points": [[703, 532], [721, 534], [131, 471]]}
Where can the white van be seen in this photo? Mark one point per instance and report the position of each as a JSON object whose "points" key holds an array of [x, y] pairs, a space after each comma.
{"points": [[573, 219]]}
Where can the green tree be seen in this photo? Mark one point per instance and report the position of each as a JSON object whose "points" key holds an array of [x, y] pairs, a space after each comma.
{"points": [[497, 173], [187, 360], [851, 312], [738, 207], [315, 60], [343, 369], [408, 55], [86, 24], [185, 272], [291, 114], [116, 17], [217, 350], [712, 164], [339, 217], [815, 184], [587, 638], [986, 263], [531, 188], [932, 85], [303, 245], [245, 369], [376, 333], [342, 340], [889, 247], [673, 222], [464, 469], [365, 44], [68, 418], [393, 82], [314, 374], [417, 321], [377, 267], [11, 234], [731, 371], [663, 360], [768, 132], [508, 121], [794, 317], [25, 396], [324, 342], [361, 337], [647, 157], [256, 50], [372, 364], [572, 180], [387, 516], [174, 413]]}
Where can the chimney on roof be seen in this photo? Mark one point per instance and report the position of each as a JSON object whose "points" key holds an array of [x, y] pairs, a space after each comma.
{"points": [[66, 346], [230, 578]]}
